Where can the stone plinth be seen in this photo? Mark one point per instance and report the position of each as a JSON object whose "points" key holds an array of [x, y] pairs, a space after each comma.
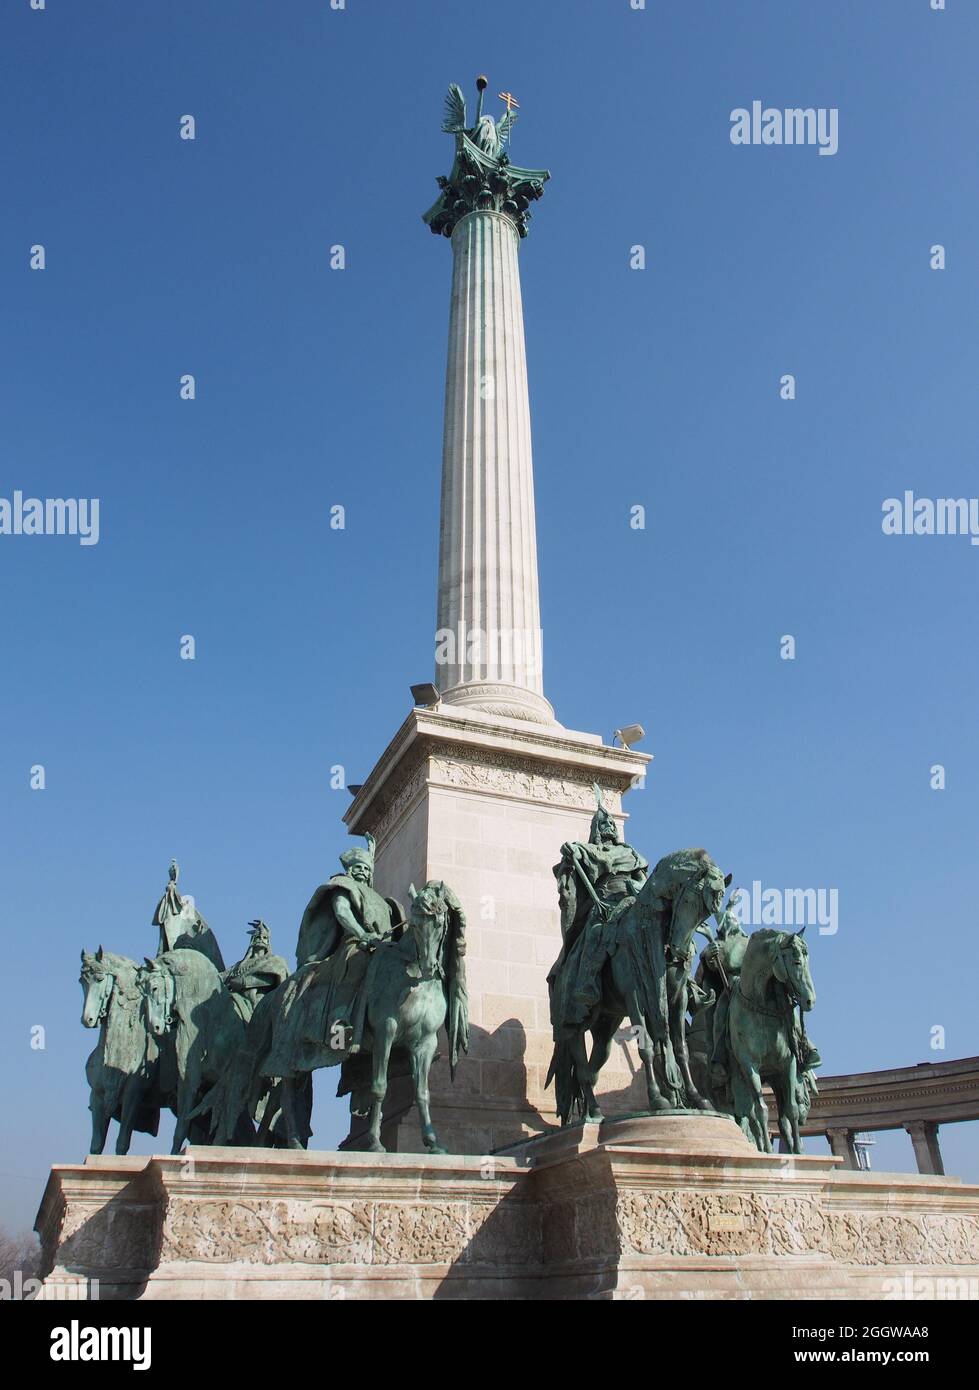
{"points": [[655, 1207], [486, 803]]}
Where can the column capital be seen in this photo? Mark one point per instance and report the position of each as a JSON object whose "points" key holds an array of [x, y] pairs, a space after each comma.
{"points": [[480, 182], [914, 1127], [840, 1139]]}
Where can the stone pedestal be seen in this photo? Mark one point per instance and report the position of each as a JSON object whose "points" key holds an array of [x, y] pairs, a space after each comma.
{"points": [[656, 1207], [486, 803]]}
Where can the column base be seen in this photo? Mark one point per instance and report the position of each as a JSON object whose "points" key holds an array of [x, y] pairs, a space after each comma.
{"points": [[506, 701]]}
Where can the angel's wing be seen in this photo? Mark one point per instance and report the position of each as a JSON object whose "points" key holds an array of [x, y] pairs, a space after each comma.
{"points": [[504, 126], [454, 119]]}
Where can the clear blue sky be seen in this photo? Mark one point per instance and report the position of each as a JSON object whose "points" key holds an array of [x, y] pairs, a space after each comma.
{"points": [[315, 387]]}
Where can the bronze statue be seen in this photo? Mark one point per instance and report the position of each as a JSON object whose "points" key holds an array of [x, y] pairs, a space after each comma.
{"points": [[627, 952], [257, 973], [754, 1037], [413, 984], [345, 921]]}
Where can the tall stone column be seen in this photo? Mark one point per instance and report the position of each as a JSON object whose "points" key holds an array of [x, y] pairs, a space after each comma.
{"points": [[488, 643], [488, 639]]}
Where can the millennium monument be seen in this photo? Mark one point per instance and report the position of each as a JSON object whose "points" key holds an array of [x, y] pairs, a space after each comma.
{"points": [[550, 1094]]}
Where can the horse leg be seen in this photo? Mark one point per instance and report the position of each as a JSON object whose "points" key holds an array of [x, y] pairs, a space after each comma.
{"points": [[127, 1116], [188, 1088], [384, 1036], [586, 1078], [602, 1031], [755, 1108], [786, 1088], [654, 1096], [782, 1109], [188, 1094], [185, 1103], [647, 1052], [293, 1140], [100, 1123], [421, 1062], [678, 1032]]}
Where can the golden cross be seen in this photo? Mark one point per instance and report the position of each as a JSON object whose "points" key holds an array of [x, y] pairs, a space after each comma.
{"points": [[510, 100]]}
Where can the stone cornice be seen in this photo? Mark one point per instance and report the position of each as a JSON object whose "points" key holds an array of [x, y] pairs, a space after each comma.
{"points": [[532, 749], [941, 1092]]}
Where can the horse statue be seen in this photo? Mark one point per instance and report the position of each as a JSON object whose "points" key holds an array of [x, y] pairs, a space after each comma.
{"points": [[186, 1000], [124, 1069], [414, 985], [766, 1044], [631, 958]]}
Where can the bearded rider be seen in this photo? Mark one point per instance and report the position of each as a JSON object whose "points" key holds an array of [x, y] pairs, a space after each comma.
{"points": [[345, 921]]}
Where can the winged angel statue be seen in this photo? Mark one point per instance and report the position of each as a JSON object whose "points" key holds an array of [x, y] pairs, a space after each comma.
{"points": [[482, 178], [491, 136]]}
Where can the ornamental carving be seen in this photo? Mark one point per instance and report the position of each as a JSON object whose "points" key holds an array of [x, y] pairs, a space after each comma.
{"points": [[505, 775], [290, 1232], [497, 774], [432, 1233], [690, 1223]]}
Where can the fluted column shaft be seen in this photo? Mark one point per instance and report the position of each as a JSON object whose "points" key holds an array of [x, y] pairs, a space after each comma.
{"points": [[488, 644]]}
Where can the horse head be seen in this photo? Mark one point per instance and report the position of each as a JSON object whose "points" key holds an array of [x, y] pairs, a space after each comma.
{"points": [[696, 886], [427, 923], [157, 986], [791, 967], [96, 981]]}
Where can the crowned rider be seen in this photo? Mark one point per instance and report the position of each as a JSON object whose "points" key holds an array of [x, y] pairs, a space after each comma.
{"points": [[346, 920], [596, 881]]}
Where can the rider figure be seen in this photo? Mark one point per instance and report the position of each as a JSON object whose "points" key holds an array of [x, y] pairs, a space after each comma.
{"points": [[596, 881], [257, 973], [720, 970], [346, 920]]}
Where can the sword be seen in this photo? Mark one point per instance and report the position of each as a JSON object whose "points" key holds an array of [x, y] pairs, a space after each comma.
{"points": [[588, 883]]}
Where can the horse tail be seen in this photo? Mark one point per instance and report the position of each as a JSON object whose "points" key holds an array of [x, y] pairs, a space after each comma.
{"points": [[568, 1095]]}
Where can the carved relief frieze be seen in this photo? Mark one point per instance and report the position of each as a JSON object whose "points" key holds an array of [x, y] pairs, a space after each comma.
{"points": [[692, 1223]]}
